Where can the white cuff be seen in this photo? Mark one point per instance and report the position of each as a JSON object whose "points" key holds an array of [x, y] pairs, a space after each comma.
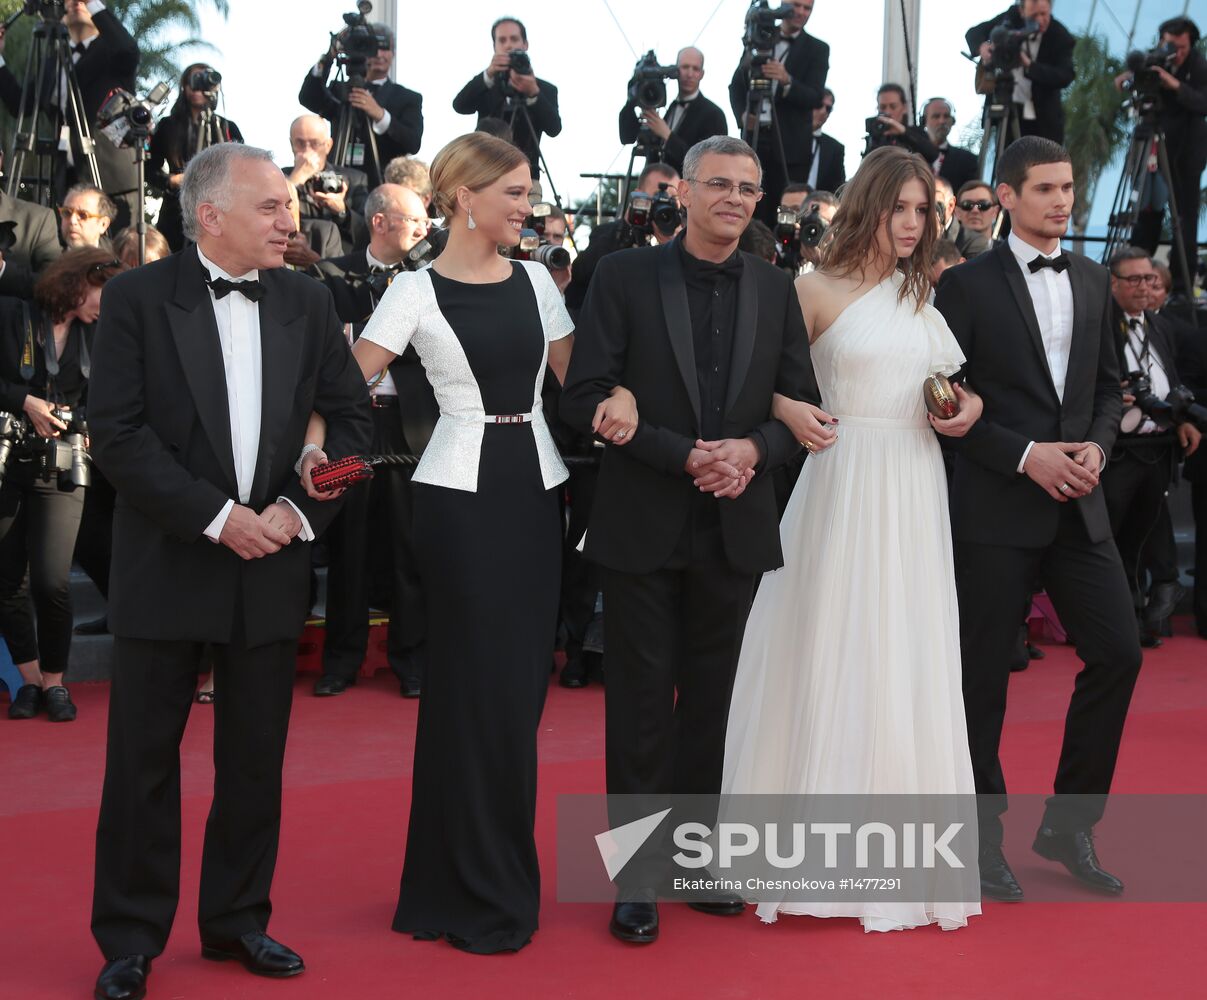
{"points": [[488, 78], [307, 533], [317, 71], [2, 62], [1023, 460], [3, 263], [214, 531], [381, 126], [95, 7]]}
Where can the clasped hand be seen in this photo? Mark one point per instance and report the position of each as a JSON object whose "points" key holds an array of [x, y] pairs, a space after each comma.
{"points": [[723, 468], [1066, 471], [252, 536]]}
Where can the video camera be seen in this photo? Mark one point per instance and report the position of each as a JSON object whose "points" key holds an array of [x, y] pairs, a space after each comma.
{"points": [[1007, 45], [357, 43], [126, 119], [762, 23], [1179, 407], [1145, 84], [47, 10], [647, 88]]}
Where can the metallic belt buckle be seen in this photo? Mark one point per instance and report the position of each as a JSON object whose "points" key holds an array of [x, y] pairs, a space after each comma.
{"points": [[510, 418]]}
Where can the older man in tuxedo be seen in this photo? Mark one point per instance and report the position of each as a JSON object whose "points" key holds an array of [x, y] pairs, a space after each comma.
{"points": [[207, 367]]}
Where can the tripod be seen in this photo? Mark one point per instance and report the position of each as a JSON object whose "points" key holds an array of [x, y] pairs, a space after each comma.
{"points": [[349, 122], [209, 131], [49, 60], [647, 145], [515, 109], [1147, 148], [758, 103], [1001, 123]]}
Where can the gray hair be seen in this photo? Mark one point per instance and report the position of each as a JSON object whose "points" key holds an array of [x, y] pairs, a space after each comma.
{"points": [[207, 180], [725, 145], [379, 200]]}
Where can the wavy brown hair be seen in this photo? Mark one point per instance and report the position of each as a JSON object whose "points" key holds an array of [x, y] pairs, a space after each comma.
{"points": [[64, 283], [866, 207]]}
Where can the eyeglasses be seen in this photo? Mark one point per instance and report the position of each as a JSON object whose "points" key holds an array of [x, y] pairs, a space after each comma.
{"points": [[720, 187], [96, 273], [411, 220], [78, 213], [311, 143], [980, 206], [1136, 280]]}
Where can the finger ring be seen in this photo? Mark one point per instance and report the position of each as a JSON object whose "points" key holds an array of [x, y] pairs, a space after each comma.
{"points": [[1064, 487], [619, 435]]}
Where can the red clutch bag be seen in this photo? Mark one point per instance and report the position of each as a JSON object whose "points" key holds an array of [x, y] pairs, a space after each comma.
{"points": [[343, 473], [940, 397]]}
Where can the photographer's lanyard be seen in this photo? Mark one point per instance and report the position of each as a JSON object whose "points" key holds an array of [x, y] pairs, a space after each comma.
{"points": [[50, 351], [1143, 354]]}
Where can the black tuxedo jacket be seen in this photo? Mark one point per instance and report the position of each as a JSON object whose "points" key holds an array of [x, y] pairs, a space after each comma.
{"points": [[832, 169], [701, 119], [1191, 348], [37, 236], [1050, 72], [988, 307], [161, 434], [111, 60], [486, 101], [1162, 341], [635, 331], [959, 166], [1183, 114], [403, 137], [807, 62]]}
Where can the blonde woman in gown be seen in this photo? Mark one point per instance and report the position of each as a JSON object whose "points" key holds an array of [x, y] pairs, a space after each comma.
{"points": [[849, 675]]}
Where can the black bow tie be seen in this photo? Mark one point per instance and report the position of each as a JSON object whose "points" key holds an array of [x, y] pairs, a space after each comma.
{"points": [[79, 48], [1135, 323], [251, 289], [1058, 263], [731, 268], [385, 268]]}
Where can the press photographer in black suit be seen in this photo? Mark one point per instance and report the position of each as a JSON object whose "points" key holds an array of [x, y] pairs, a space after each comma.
{"points": [[689, 118], [35, 234], [518, 97], [957, 166], [1034, 324], [798, 80], [892, 127], [828, 168], [393, 114], [1182, 115], [311, 142], [371, 539], [107, 60], [1047, 66]]}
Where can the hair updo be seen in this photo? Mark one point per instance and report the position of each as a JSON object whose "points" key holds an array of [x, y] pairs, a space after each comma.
{"points": [[474, 161]]}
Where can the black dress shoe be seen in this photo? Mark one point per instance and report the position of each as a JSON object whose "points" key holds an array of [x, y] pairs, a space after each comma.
{"points": [[636, 922], [259, 954], [1076, 852], [123, 978], [410, 688], [723, 904], [98, 626], [1035, 653], [574, 674], [59, 706], [1162, 602], [27, 703], [997, 880], [329, 685]]}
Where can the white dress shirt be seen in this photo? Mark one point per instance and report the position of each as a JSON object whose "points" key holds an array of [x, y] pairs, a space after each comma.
{"points": [[1022, 82], [385, 386], [1140, 357], [238, 321], [678, 109], [782, 45]]}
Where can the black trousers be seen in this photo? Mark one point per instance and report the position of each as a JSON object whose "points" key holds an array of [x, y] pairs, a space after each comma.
{"points": [[580, 576], [1134, 485], [1089, 591], [137, 882], [38, 526], [372, 536], [1198, 507]]}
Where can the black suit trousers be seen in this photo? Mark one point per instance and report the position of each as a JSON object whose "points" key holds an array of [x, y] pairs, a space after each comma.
{"points": [[1086, 583], [1198, 507], [137, 884], [1134, 484]]}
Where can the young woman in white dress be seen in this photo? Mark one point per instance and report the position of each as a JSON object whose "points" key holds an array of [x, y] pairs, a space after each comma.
{"points": [[849, 676]]}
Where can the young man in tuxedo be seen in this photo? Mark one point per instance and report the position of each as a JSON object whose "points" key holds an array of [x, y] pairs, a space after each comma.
{"points": [[827, 168], [684, 518], [207, 367], [785, 122], [689, 118], [387, 115], [1035, 326], [527, 103]]}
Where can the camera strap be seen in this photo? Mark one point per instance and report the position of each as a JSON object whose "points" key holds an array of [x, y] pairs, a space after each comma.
{"points": [[27, 350]]}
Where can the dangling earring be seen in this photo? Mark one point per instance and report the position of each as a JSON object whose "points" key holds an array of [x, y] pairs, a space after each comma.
{"points": [[470, 224]]}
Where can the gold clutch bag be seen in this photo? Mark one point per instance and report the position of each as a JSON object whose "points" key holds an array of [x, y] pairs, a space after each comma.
{"points": [[940, 397]]}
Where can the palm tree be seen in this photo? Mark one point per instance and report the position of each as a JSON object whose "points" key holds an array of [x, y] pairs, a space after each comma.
{"points": [[158, 25]]}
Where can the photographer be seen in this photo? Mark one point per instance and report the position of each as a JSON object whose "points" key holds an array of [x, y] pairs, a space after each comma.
{"points": [[370, 540], [105, 58], [1042, 64], [388, 117], [190, 127], [689, 118], [85, 216], [336, 194], [44, 365], [1182, 116], [29, 241], [958, 166], [797, 70], [1146, 451], [508, 89], [620, 234], [828, 169], [891, 125]]}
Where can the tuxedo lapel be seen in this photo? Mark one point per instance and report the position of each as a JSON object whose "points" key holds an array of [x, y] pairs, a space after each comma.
{"points": [[282, 339], [1080, 347], [1022, 298], [745, 330], [673, 291], [195, 331]]}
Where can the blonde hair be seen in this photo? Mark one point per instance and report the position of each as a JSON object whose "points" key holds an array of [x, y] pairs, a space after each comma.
{"points": [[866, 207], [474, 161]]}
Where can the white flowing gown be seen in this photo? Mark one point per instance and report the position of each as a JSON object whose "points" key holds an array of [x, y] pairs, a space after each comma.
{"points": [[849, 675]]}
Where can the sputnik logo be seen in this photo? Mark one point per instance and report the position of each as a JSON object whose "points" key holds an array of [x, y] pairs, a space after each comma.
{"points": [[618, 845]]}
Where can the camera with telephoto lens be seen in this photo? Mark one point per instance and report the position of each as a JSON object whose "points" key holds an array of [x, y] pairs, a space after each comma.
{"points": [[328, 182], [1146, 81], [1179, 407], [13, 429], [520, 63], [65, 457], [647, 88], [128, 120], [205, 81], [358, 42], [812, 227], [875, 127], [1008, 45], [535, 247], [762, 32]]}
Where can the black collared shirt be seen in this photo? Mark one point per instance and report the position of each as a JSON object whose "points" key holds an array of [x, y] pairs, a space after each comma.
{"points": [[712, 302]]}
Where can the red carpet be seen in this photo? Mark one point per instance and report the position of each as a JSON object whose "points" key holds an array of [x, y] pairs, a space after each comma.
{"points": [[347, 788]]}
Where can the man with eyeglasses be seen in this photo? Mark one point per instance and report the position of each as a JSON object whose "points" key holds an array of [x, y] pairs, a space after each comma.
{"points": [[977, 208], [828, 170], [957, 165], [85, 217], [311, 142], [1146, 454], [389, 116], [970, 243], [369, 542], [684, 518]]}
